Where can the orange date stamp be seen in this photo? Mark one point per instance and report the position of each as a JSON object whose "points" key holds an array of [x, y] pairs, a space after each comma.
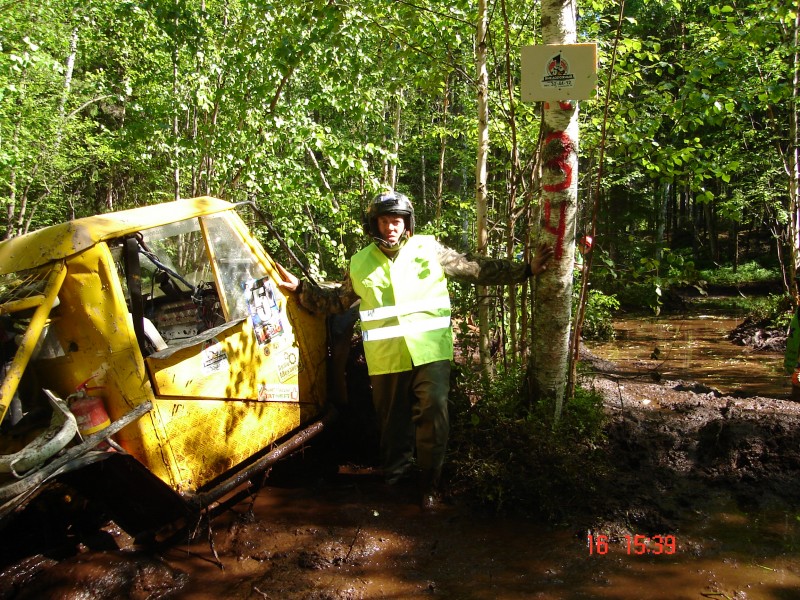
{"points": [[634, 544]]}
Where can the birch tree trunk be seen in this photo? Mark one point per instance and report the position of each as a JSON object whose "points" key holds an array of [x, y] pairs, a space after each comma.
{"points": [[68, 72], [480, 178], [793, 167], [559, 177], [513, 184], [176, 167], [398, 113], [442, 151]]}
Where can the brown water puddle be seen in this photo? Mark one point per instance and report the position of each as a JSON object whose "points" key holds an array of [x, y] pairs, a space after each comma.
{"points": [[348, 541], [695, 349], [348, 537]]}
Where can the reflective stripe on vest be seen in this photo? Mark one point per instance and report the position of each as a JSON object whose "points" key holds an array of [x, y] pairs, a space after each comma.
{"points": [[392, 331], [405, 306], [386, 312]]}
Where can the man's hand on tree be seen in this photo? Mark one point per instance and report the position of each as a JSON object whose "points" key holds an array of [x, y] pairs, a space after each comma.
{"points": [[539, 263]]}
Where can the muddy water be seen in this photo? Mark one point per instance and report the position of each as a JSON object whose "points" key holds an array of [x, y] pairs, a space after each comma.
{"points": [[347, 541], [694, 348]]}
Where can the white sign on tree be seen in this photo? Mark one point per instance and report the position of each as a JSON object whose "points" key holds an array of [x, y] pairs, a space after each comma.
{"points": [[558, 72]]}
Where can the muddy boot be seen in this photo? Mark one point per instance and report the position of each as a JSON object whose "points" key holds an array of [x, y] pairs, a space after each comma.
{"points": [[795, 379], [429, 489]]}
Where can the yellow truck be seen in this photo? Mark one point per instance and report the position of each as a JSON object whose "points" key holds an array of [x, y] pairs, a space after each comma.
{"points": [[150, 358]]}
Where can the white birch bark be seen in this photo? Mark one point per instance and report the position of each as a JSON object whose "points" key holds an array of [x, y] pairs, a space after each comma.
{"points": [[794, 167], [559, 178], [480, 178]]}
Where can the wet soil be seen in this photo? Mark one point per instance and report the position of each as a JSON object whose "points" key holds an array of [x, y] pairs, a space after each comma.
{"points": [[712, 480], [680, 441]]}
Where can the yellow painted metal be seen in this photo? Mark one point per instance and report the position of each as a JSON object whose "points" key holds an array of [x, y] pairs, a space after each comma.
{"points": [[230, 365], [61, 241], [21, 304], [92, 325], [308, 330], [223, 399], [209, 437], [29, 339], [216, 401]]}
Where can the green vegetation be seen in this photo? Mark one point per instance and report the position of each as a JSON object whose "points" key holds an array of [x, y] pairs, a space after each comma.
{"points": [[751, 272], [773, 311], [655, 284], [598, 318], [505, 454], [308, 107], [730, 305]]}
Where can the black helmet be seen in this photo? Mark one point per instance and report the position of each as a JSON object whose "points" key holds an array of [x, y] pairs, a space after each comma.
{"points": [[389, 203]]}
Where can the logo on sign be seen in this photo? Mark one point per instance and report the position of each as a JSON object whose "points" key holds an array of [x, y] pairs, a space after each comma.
{"points": [[558, 73]]}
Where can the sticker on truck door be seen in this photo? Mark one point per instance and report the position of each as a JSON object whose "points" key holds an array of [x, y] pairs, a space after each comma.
{"points": [[265, 308], [277, 392], [214, 357]]}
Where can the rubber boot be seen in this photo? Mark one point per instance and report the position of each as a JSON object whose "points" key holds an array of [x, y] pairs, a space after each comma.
{"points": [[795, 394], [429, 489]]}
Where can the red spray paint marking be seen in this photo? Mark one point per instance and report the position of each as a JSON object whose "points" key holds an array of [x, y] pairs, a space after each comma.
{"points": [[562, 104], [559, 230], [560, 162]]}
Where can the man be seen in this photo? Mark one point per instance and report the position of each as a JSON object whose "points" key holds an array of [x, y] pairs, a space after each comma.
{"points": [[400, 279]]}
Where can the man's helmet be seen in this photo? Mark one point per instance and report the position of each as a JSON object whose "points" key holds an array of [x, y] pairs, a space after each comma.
{"points": [[389, 203]]}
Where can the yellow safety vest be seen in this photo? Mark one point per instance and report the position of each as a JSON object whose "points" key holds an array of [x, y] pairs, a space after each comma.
{"points": [[405, 306]]}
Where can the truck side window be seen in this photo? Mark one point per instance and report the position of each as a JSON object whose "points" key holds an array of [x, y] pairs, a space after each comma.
{"points": [[237, 265], [177, 281]]}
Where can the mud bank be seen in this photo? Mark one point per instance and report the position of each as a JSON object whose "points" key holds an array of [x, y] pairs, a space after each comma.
{"points": [[677, 447]]}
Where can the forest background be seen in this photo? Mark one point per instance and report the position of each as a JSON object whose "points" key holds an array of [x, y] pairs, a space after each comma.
{"points": [[688, 152]]}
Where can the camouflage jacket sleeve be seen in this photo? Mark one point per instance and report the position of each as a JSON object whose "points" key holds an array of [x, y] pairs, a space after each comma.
{"points": [[327, 300], [481, 270]]}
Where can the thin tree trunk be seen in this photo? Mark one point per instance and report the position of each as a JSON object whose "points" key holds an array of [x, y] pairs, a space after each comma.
{"points": [[442, 150], [11, 229], [794, 162], [513, 185], [70, 69], [325, 184], [711, 229], [398, 111], [423, 180], [480, 179], [176, 169], [385, 167], [661, 222]]}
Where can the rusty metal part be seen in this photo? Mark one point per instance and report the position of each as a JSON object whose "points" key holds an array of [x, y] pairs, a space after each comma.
{"points": [[205, 499]]}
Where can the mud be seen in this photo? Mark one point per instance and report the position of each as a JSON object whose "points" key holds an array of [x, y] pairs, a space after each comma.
{"points": [[677, 445], [96, 575], [719, 474]]}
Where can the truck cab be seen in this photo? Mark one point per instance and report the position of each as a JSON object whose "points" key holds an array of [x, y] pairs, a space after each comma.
{"points": [[150, 354]]}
